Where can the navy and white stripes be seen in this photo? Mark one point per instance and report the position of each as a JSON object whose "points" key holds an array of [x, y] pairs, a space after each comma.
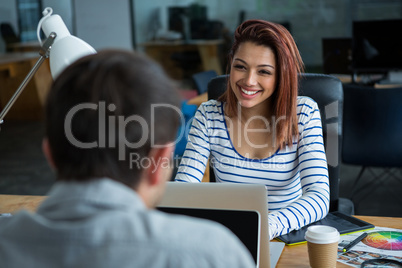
{"points": [[296, 177]]}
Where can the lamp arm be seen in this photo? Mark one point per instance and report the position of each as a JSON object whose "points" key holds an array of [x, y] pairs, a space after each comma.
{"points": [[44, 54]]}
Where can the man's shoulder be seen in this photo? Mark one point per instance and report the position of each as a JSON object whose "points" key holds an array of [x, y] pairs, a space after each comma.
{"points": [[185, 241]]}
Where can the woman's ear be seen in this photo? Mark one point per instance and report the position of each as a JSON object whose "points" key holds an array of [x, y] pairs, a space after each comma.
{"points": [[48, 152]]}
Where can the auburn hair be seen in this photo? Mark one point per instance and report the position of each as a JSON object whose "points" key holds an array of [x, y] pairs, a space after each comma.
{"points": [[289, 64]]}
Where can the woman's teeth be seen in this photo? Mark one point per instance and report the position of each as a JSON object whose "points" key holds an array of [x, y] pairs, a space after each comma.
{"points": [[248, 92]]}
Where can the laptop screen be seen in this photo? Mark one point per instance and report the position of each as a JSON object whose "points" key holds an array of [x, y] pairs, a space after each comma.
{"points": [[245, 224]]}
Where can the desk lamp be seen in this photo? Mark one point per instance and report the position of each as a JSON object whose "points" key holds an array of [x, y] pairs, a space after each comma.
{"points": [[60, 47]]}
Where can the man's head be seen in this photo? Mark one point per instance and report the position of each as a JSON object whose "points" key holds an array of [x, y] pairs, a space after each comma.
{"points": [[109, 115]]}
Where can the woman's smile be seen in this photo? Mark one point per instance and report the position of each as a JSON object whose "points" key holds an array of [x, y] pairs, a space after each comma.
{"points": [[249, 93]]}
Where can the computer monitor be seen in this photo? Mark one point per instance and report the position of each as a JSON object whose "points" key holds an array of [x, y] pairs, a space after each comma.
{"points": [[337, 55], [199, 26], [175, 16], [377, 46]]}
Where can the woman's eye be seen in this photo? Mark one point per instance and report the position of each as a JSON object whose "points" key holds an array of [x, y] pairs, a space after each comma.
{"points": [[265, 72], [239, 66]]}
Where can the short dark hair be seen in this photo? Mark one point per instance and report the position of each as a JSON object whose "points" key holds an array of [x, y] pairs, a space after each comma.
{"points": [[106, 107]]}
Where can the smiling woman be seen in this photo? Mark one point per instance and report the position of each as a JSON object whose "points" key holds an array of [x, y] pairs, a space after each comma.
{"points": [[261, 132]]}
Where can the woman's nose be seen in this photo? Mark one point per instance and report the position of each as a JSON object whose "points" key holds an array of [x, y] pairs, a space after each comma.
{"points": [[251, 78]]}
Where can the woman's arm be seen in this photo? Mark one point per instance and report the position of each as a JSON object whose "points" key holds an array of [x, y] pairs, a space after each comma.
{"points": [[195, 157], [313, 205]]}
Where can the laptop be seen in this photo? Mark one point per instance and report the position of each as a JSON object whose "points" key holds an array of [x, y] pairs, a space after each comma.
{"points": [[230, 199], [238, 221]]}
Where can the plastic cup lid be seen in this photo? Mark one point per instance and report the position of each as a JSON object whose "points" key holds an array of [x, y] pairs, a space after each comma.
{"points": [[322, 234]]}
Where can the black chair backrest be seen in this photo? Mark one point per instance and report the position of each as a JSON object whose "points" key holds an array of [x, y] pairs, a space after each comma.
{"points": [[8, 34], [372, 126], [327, 91]]}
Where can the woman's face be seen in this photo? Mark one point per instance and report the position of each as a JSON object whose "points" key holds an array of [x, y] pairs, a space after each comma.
{"points": [[253, 75]]}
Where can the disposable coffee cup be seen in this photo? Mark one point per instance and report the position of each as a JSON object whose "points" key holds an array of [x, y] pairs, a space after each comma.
{"points": [[322, 243]]}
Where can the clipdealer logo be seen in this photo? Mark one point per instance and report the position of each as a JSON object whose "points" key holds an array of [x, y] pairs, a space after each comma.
{"points": [[332, 144], [116, 129]]}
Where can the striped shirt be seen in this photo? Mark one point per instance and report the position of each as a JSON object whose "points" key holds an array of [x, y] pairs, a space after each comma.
{"points": [[296, 177]]}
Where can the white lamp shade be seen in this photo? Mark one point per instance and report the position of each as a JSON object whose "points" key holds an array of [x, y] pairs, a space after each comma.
{"points": [[66, 51], [54, 23], [66, 48]]}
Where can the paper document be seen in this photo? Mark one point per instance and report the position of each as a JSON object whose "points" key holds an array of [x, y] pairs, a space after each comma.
{"points": [[381, 242]]}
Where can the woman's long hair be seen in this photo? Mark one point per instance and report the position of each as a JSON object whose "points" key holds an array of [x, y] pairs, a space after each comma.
{"points": [[289, 64]]}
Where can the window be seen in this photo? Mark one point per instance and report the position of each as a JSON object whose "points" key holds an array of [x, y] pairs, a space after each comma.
{"points": [[29, 14]]}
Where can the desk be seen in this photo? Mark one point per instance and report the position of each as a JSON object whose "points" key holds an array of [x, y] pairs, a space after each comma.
{"points": [[32, 46], [161, 52], [297, 256], [292, 256], [13, 203], [347, 79], [198, 99], [14, 67]]}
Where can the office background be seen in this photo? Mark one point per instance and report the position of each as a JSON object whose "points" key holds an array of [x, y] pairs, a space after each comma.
{"points": [[128, 23]]}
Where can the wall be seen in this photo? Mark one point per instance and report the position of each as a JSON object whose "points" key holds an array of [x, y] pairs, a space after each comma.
{"points": [[310, 20], [8, 13], [101, 23], [62, 8], [148, 14], [104, 23]]}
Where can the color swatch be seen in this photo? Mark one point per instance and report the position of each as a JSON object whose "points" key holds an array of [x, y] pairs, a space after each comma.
{"points": [[388, 240]]}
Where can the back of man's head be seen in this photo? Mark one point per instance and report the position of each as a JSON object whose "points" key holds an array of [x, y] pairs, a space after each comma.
{"points": [[106, 112]]}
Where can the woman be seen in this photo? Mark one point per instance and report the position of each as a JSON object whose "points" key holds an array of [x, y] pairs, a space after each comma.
{"points": [[261, 132]]}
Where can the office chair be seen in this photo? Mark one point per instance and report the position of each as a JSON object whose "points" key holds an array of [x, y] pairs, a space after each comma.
{"points": [[8, 34], [327, 91], [201, 80], [372, 127]]}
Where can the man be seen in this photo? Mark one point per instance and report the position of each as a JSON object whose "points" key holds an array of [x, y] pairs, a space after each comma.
{"points": [[111, 119]]}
